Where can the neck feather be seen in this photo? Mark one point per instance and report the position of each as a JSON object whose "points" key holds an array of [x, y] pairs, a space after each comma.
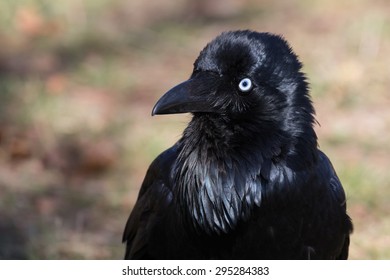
{"points": [[221, 179]]}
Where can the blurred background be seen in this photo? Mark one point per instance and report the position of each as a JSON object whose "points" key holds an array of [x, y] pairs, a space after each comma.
{"points": [[78, 80]]}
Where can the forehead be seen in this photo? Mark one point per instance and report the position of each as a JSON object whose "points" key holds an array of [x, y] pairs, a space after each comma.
{"points": [[230, 54]]}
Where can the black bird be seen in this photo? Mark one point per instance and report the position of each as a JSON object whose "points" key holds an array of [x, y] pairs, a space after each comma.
{"points": [[246, 180]]}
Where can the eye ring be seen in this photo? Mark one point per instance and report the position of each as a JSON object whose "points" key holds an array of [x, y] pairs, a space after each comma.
{"points": [[245, 85]]}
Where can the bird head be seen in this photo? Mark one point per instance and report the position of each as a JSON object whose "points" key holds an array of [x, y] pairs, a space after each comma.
{"points": [[243, 75], [250, 86]]}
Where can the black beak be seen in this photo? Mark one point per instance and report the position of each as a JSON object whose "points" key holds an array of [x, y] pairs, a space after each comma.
{"points": [[193, 95]]}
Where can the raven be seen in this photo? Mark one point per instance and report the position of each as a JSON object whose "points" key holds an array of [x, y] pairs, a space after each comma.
{"points": [[246, 180]]}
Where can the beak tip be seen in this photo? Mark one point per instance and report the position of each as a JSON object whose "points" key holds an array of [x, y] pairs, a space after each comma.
{"points": [[154, 110]]}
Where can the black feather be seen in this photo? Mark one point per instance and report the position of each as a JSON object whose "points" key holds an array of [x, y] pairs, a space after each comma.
{"points": [[246, 180]]}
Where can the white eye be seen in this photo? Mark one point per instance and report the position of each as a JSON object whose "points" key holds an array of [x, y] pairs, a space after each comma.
{"points": [[245, 85]]}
